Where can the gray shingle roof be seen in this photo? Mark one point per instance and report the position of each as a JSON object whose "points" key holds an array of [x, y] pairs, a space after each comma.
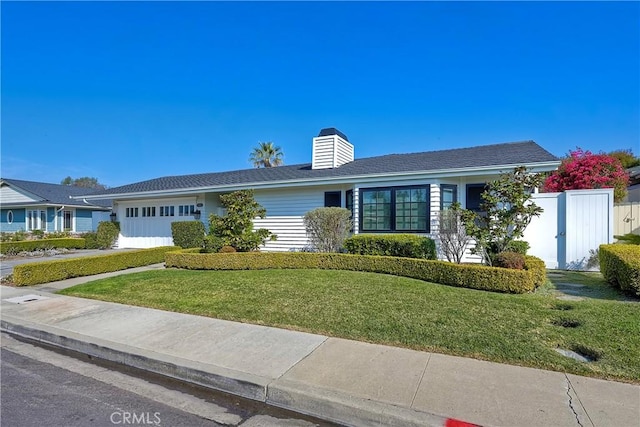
{"points": [[56, 193], [513, 153]]}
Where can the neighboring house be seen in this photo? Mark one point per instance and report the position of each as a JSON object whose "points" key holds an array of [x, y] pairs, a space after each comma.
{"points": [[387, 194], [29, 205], [633, 191]]}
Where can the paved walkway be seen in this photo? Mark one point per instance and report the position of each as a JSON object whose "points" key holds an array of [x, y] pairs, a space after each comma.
{"points": [[349, 382]]}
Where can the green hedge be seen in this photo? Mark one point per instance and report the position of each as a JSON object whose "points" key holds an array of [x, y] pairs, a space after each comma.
{"points": [[50, 271], [34, 245], [397, 245], [188, 234], [620, 266], [535, 266], [446, 273]]}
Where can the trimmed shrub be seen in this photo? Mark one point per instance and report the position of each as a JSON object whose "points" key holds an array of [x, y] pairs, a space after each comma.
{"points": [[188, 234], [35, 245], [518, 246], [620, 266], [327, 228], [632, 239], [398, 245], [107, 234], [446, 273], [227, 249], [37, 234], [213, 244], [57, 235], [538, 270], [91, 240], [509, 260], [51, 271]]}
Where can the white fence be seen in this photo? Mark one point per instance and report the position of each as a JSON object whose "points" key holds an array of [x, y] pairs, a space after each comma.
{"points": [[572, 224], [626, 218]]}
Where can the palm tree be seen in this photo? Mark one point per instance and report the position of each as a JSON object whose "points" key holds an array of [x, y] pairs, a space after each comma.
{"points": [[266, 155]]}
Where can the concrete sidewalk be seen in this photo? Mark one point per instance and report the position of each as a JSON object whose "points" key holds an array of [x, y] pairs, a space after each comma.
{"points": [[344, 381]]}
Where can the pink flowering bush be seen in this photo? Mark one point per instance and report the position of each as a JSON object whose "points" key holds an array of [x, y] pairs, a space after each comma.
{"points": [[585, 170]]}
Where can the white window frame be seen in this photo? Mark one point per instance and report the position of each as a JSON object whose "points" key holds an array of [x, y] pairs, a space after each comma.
{"points": [[9, 216], [34, 220]]}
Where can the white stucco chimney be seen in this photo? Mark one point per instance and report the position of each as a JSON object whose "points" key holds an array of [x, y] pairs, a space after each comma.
{"points": [[331, 149]]}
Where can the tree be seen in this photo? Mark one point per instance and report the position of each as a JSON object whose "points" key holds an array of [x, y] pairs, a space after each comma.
{"points": [[328, 228], [454, 239], [266, 155], [626, 157], [585, 170], [84, 182], [235, 228], [506, 212]]}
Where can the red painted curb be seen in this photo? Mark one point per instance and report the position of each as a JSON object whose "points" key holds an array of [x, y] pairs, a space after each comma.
{"points": [[452, 422]]}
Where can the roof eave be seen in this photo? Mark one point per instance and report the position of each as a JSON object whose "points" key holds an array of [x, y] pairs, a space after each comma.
{"points": [[351, 179]]}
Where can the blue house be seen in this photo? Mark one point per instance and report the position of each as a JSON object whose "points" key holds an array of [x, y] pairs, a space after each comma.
{"points": [[29, 205]]}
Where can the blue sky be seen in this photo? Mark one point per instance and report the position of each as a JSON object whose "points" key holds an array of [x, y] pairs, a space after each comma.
{"points": [[128, 91]]}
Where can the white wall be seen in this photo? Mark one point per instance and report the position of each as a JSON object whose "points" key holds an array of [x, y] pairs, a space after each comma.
{"points": [[572, 224], [285, 213]]}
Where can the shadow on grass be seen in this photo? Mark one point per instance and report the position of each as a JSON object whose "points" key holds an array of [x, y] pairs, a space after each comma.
{"points": [[583, 284]]}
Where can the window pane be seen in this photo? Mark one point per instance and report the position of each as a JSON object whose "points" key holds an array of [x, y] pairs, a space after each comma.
{"points": [[368, 197], [402, 196], [418, 195]]}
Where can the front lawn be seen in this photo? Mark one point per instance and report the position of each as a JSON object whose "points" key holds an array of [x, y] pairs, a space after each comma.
{"points": [[517, 329]]}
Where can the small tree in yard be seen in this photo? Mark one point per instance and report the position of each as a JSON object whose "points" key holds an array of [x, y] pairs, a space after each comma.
{"points": [[453, 236], [235, 229], [327, 228], [507, 211]]}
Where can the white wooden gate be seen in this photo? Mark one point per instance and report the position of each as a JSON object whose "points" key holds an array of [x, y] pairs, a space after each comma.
{"points": [[573, 223]]}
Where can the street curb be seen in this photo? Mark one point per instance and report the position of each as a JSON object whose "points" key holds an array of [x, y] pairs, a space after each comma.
{"points": [[344, 408], [298, 397], [227, 380]]}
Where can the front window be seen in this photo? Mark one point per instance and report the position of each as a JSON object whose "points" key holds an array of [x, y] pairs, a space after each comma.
{"points": [[36, 220], [10, 217], [448, 195], [474, 196], [67, 222], [398, 209], [333, 199], [186, 210], [376, 210]]}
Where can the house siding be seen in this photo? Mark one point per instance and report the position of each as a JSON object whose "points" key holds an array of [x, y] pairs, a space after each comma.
{"points": [[19, 220], [285, 215], [10, 195], [84, 220]]}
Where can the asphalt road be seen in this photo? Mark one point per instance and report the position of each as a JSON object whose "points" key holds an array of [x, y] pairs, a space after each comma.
{"points": [[43, 387]]}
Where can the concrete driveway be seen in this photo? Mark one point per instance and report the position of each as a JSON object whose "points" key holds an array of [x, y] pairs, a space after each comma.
{"points": [[6, 265]]}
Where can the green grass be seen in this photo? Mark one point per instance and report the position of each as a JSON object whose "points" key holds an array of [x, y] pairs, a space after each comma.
{"points": [[515, 329]]}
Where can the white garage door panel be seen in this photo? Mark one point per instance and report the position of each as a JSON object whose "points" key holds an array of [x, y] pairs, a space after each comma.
{"points": [[149, 232]]}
